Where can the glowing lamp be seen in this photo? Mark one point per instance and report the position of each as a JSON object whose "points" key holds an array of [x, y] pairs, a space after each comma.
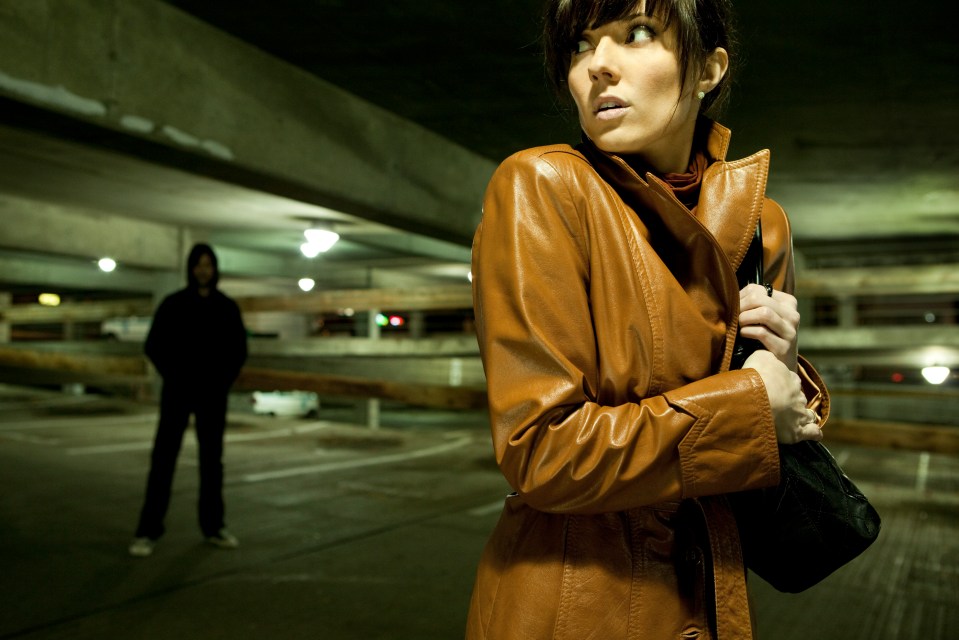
{"points": [[935, 374]]}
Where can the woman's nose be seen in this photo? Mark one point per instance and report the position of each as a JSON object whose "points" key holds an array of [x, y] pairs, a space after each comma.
{"points": [[602, 63]]}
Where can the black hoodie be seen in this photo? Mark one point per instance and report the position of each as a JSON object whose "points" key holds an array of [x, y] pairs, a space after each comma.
{"points": [[198, 342]]}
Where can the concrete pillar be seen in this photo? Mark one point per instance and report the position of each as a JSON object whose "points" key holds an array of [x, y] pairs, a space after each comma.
{"points": [[848, 316], [456, 372], [806, 304], [417, 324], [368, 410], [6, 300]]}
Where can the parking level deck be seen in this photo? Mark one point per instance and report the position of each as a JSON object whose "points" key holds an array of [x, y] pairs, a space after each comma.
{"points": [[348, 533]]}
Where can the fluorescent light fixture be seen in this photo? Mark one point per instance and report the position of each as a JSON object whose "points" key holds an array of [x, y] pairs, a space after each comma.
{"points": [[935, 374], [321, 239], [107, 264], [309, 250], [49, 299], [306, 284]]}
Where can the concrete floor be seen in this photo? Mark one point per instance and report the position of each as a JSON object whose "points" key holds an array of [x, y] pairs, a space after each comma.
{"points": [[348, 533]]}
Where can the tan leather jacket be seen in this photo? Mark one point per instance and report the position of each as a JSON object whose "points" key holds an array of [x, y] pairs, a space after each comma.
{"points": [[606, 315]]}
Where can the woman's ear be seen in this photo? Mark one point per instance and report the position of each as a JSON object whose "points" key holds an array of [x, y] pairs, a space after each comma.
{"points": [[714, 68]]}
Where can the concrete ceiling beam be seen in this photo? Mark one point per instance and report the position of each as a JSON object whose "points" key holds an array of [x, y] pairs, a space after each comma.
{"points": [[56, 229], [423, 298], [327, 347], [879, 281], [61, 274], [145, 70]]}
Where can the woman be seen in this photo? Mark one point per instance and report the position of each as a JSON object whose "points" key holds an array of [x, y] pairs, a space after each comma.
{"points": [[607, 307]]}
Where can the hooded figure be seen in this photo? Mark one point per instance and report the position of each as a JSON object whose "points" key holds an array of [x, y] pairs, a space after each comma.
{"points": [[197, 342]]}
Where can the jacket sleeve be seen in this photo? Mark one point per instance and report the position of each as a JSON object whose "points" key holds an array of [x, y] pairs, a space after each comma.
{"points": [[779, 269], [237, 351], [556, 445]]}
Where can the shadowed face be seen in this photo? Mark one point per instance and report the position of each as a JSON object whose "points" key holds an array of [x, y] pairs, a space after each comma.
{"points": [[203, 271]]}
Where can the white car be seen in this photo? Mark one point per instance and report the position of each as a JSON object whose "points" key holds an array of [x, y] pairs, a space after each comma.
{"points": [[127, 328], [286, 403]]}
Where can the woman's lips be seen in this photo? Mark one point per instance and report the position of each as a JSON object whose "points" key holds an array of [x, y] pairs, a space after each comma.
{"points": [[610, 113]]}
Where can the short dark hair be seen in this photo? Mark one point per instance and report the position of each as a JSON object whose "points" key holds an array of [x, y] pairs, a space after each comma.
{"points": [[702, 25]]}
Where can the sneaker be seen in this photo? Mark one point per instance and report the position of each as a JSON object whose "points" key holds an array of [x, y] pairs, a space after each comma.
{"points": [[142, 547], [223, 540]]}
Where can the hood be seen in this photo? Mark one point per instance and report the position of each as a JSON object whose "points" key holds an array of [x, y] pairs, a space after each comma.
{"points": [[196, 253]]}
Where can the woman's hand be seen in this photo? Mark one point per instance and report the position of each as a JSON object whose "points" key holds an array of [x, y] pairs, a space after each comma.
{"points": [[773, 320], [794, 422]]}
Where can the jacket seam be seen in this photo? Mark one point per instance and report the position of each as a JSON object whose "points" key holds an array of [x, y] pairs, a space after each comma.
{"points": [[572, 202], [702, 418]]}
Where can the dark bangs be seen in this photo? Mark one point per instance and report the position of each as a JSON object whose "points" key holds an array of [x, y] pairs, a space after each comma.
{"points": [[566, 20], [697, 35]]}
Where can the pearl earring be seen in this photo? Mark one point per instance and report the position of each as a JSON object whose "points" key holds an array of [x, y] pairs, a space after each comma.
{"points": [[701, 95]]}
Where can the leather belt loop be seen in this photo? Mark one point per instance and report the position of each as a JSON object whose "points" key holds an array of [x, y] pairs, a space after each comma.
{"points": [[731, 600]]}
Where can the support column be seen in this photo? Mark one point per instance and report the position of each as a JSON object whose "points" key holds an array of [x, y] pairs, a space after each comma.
{"points": [[806, 304], [69, 334], [417, 324], [368, 411], [848, 314], [6, 299]]}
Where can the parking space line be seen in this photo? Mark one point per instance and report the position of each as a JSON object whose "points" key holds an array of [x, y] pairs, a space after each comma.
{"points": [[279, 433], [486, 509], [842, 457], [110, 448], [77, 422], [922, 473], [236, 437], [354, 464]]}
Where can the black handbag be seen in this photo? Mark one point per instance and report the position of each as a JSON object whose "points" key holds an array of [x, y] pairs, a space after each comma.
{"points": [[816, 520]]}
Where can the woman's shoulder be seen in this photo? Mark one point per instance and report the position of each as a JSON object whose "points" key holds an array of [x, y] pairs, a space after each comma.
{"points": [[544, 164], [552, 154]]}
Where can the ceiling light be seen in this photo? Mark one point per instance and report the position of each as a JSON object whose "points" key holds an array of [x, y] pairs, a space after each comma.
{"points": [[107, 264], [935, 374], [49, 299], [306, 284], [309, 250], [321, 239]]}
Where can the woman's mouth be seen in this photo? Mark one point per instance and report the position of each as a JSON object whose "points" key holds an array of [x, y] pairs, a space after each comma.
{"points": [[610, 110]]}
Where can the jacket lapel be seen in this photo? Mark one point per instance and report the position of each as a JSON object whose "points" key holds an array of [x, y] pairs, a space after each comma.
{"points": [[731, 202]]}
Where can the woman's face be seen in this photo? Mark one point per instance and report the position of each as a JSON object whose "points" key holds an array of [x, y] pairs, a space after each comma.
{"points": [[624, 77]]}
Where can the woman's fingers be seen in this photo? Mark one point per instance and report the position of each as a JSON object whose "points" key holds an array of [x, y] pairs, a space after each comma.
{"points": [[772, 320], [754, 295], [794, 421]]}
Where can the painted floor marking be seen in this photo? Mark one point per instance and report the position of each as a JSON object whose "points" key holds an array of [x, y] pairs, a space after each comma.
{"points": [[354, 464], [236, 437], [922, 473]]}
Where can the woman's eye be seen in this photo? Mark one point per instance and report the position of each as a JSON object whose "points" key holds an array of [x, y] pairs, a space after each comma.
{"points": [[640, 33], [581, 46]]}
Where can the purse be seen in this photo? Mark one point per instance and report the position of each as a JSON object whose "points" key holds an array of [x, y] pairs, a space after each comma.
{"points": [[816, 520]]}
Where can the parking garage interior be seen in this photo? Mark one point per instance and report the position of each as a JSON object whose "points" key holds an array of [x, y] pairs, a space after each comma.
{"points": [[359, 469]]}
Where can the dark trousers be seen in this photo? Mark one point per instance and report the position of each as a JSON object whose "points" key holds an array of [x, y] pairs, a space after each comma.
{"points": [[209, 410]]}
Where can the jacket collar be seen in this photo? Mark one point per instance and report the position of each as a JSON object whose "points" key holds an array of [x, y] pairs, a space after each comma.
{"points": [[731, 196]]}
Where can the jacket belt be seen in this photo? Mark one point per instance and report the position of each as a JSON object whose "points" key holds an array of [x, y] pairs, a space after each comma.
{"points": [[730, 598]]}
